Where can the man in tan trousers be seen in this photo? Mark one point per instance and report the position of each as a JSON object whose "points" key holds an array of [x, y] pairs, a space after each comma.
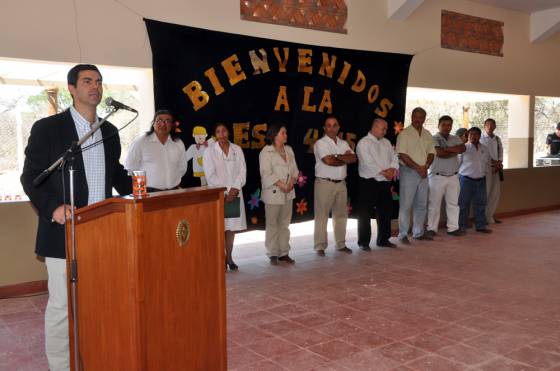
{"points": [[332, 155]]}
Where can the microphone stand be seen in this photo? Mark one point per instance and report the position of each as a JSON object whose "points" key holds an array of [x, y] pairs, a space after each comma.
{"points": [[68, 156]]}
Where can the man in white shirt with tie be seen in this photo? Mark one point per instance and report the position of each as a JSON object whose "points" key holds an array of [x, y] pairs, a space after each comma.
{"points": [[472, 177], [377, 165], [496, 151], [332, 155]]}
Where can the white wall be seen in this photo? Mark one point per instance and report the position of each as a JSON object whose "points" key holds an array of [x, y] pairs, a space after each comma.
{"points": [[109, 33]]}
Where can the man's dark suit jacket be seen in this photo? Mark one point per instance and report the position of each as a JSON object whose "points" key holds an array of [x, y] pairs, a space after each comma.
{"points": [[49, 138]]}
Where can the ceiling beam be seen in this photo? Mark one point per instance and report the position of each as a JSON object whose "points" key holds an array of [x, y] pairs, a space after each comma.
{"points": [[544, 24], [400, 10]]}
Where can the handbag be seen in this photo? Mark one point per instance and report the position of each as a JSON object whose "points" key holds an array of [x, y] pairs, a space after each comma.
{"points": [[232, 209]]}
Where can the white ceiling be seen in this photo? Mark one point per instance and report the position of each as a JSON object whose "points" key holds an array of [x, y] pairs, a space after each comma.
{"points": [[527, 6]]}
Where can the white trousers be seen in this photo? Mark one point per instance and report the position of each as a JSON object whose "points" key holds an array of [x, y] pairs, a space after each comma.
{"points": [[492, 195], [441, 186], [56, 316]]}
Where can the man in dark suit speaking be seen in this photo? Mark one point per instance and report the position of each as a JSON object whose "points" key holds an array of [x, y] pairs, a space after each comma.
{"points": [[97, 171]]}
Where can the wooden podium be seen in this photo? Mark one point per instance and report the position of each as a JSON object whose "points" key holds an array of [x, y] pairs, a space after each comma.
{"points": [[151, 285]]}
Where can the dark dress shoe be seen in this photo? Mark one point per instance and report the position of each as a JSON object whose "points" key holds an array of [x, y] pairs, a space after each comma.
{"points": [[424, 237], [345, 250], [430, 233], [232, 266], [274, 260], [387, 244], [484, 230], [404, 241], [321, 252], [497, 221], [287, 259], [456, 233], [365, 248]]}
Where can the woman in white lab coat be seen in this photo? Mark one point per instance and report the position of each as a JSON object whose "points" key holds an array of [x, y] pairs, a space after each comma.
{"points": [[224, 166]]}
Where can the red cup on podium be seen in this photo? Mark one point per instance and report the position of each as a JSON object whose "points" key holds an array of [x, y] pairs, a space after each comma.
{"points": [[139, 189]]}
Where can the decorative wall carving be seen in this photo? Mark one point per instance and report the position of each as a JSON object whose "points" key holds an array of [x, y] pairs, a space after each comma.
{"points": [[324, 15], [471, 34]]}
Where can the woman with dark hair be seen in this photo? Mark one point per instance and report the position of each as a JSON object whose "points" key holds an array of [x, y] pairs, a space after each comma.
{"points": [[279, 172], [224, 166], [160, 152]]}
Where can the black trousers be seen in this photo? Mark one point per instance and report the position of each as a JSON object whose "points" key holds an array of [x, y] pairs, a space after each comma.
{"points": [[374, 196]]}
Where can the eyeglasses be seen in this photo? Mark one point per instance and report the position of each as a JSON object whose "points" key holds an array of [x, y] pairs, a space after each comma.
{"points": [[166, 121]]}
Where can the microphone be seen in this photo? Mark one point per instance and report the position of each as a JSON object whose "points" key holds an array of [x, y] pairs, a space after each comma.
{"points": [[118, 105]]}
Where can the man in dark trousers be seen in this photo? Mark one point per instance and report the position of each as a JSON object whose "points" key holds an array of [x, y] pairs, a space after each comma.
{"points": [[553, 142], [378, 164], [97, 171]]}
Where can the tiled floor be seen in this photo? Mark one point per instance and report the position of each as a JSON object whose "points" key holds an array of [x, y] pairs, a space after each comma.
{"points": [[479, 302]]}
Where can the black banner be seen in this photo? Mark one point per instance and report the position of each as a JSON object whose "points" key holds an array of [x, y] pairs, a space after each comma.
{"points": [[206, 77]]}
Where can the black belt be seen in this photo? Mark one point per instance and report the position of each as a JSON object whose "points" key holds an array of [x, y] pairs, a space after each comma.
{"points": [[332, 180], [473, 179], [455, 173]]}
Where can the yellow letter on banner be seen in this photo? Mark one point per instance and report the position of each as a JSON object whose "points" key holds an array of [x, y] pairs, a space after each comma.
{"points": [[328, 66], [307, 90], [233, 70], [386, 106], [360, 83], [241, 134], [211, 74], [282, 62], [310, 138], [259, 133], [326, 102], [198, 97], [304, 64], [259, 65], [373, 93], [282, 100], [344, 74]]}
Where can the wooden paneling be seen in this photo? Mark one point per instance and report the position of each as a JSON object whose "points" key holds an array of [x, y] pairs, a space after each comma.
{"points": [[144, 302], [191, 307], [106, 295]]}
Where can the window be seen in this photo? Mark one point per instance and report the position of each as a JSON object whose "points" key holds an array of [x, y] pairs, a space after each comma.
{"points": [[547, 116], [30, 90], [470, 109]]}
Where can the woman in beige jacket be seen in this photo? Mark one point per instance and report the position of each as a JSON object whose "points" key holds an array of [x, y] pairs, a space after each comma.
{"points": [[278, 175]]}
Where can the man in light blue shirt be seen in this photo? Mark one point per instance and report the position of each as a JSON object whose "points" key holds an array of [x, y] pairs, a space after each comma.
{"points": [[472, 177], [443, 180]]}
